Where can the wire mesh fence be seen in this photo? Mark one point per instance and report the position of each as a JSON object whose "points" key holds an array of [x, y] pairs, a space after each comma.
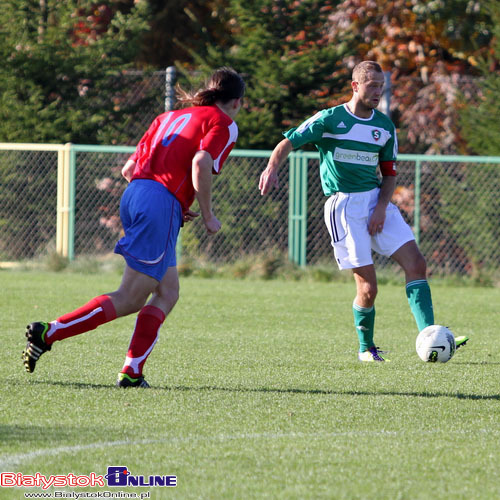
{"points": [[98, 189], [424, 109], [28, 198], [144, 93], [451, 202], [252, 224], [459, 215], [453, 211]]}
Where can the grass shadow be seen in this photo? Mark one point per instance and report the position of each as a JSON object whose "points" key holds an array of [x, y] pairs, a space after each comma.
{"points": [[275, 390], [495, 397], [13, 433]]}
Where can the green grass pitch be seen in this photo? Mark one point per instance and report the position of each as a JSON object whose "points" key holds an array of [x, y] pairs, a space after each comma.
{"points": [[256, 393]]}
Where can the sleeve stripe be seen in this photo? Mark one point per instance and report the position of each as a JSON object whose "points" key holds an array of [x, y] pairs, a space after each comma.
{"points": [[233, 135]]}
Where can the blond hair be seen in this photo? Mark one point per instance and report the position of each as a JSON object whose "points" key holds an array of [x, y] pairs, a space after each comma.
{"points": [[361, 70]]}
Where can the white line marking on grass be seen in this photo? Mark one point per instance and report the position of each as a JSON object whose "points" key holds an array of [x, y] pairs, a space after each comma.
{"points": [[10, 461]]}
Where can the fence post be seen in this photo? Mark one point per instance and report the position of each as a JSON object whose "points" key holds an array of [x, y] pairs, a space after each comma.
{"points": [[63, 200], [297, 208], [72, 203], [416, 219], [170, 79], [385, 103]]}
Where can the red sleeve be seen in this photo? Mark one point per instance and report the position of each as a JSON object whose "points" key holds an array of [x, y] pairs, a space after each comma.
{"points": [[388, 168], [218, 142], [146, 142]]}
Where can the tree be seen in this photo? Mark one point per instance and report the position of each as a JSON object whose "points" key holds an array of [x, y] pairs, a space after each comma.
{"points": [[479, 122], [285, 53], [61, 68], [62, 64], [431, 49], [181, 28]]}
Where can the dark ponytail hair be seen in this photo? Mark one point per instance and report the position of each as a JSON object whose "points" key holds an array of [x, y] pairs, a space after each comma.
{"points": [[224, 84]]}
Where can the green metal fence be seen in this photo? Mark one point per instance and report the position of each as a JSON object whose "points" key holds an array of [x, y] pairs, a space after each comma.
{"points": [[65, 198], [451, 202]]}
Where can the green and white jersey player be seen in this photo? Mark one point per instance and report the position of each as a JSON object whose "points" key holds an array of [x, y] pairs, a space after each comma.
{"points": [[350, 147], [355, 142]]}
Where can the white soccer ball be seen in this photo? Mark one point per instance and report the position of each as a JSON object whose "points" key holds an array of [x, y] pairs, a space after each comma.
{"points": [[435, 343]]}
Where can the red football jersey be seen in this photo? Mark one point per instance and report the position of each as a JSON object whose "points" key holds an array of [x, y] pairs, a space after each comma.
{"points": [[166, 150]]}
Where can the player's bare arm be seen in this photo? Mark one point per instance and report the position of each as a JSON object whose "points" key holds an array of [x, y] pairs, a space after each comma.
{"points": [[128, 170], [376, 222], [202, 183], [269, 177]]}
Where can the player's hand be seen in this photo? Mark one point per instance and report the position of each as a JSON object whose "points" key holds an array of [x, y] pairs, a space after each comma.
{"points": [[189, 215], [268, 180], [212, 224], [377, 220]]}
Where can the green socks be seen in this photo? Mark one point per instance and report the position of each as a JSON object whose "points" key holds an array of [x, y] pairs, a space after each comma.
{"points": [[420, 300], [364, 321]]}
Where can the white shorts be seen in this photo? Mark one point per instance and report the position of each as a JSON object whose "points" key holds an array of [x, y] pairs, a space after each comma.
{"points": [[347, 216]]}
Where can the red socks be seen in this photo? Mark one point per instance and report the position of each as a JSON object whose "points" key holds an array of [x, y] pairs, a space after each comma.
{"points": [[100, 310], [88, 317], [149, 321]]}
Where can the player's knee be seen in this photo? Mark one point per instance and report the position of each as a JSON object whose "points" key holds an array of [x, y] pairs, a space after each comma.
{"points": [[417, 266], [368, 292], [125, 305], [173, 296], [371, 292], [422, 265], [169, 294]]}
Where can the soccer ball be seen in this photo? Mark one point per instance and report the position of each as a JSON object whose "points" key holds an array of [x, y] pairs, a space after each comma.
{"points": [[435, 343]]}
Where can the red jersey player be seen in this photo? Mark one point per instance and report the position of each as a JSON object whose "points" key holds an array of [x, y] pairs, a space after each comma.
{"points": [[172, 165]]}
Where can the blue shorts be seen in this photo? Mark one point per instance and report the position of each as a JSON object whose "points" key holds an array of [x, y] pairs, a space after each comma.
{"points": [[151, 217]]}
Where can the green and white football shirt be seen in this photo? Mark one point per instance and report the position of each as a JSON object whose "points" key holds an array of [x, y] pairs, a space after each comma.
{"points": [[350, 147]]}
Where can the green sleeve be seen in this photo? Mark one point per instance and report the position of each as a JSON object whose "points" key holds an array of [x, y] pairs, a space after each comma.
{"points": [[309, 131]]}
